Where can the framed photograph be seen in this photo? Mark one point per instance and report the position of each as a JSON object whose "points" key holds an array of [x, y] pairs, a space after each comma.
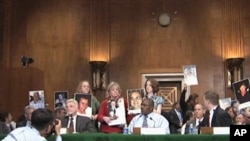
{"points": [[117, 112], [241, 90], [190, 75], [60, 98], [36, 99], [134, 97], [84, 104]]}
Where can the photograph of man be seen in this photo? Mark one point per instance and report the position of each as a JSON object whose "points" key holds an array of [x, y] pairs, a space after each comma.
{"points": [[135, 99], [37, 99], [60, 99], [84, 104], [241, 90]]}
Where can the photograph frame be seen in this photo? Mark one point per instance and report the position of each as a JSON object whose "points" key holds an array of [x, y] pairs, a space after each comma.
{"points": [[134, 106], [237, 90], [60, 103], [41, 96], [88, 97]]}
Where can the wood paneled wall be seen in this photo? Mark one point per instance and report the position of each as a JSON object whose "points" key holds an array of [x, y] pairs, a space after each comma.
{"points": [[64, 35]]}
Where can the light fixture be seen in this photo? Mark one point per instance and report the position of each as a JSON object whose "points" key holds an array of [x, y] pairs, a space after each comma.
{"points": [[26, 61], [234, 70], [99, 74]]}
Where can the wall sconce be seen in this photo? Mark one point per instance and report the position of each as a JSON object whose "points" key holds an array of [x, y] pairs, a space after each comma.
{"points": [[234, 70], [99, 74], [26, 61]]}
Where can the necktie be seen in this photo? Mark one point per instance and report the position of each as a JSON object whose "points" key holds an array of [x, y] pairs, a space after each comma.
{"points": [[71, 125], [145, 123]]}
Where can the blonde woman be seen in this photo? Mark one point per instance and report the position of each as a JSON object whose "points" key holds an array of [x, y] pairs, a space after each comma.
{"points": [[113, 94]]}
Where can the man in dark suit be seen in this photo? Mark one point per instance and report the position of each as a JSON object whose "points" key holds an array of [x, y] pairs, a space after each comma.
{"points": [[217, 117], [79, 123], [199, 118], [26, 121], [175, 118]]}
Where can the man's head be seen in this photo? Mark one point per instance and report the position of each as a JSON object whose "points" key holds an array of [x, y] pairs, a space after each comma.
{"points": [[28, 110], [199, 111], [60, 112], [211, 99], [136, 100], [147, 106], [71, 106], [83, 104], [43, 120]]}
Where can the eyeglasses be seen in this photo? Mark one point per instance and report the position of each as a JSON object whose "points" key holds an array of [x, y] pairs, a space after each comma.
{"points": [[137, 98]]}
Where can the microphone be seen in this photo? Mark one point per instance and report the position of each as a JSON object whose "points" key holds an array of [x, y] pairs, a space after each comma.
{"points": [[152, 120]]}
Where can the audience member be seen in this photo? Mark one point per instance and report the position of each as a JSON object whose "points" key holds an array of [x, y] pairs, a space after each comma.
{"points": [[60, 112], [231, 112], [42, 125], [199, 119], [148, 118], [175, 118], [152, 88], [85, 88], [235, 104], [189, 116], [80, 123], [217, 117], [113, 93], [187, 105], [241, 119], [6, 119], [28, 110]]}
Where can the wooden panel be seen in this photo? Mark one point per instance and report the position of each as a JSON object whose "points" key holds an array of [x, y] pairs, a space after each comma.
{"points": [[63, 36], [15, 88]]}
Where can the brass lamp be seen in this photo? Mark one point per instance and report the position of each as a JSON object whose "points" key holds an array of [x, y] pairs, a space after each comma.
{"points": [[99, 74], [234, 70]]}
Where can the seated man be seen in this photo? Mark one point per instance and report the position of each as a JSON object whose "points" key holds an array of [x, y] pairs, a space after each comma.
{"points": [[77, 122], [28, 110], [199, 119], [148, 118], [42, 125]]}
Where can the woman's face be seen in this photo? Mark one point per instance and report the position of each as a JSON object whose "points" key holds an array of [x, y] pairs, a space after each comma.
{"points": [[114, 92], [136, 100], [231, 113], [85, 88], [149, 87]]}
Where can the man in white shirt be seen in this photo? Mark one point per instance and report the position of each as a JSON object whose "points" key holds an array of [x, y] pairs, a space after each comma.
{"points": [[148, 118], [43, 124]]}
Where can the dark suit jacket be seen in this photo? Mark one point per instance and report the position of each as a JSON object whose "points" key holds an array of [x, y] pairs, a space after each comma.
{"points": [[3, 128], [220, 118], [174, 122], [83, 124], [21, 123]]}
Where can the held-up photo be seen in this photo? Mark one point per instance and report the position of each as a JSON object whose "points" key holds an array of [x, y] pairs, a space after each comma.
{"points": [[135, 97], [84, 104], [36, 99], [60, 98]]}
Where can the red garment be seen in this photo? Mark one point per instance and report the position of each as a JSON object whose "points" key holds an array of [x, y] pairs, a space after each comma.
{"points": [[104, 111]]}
